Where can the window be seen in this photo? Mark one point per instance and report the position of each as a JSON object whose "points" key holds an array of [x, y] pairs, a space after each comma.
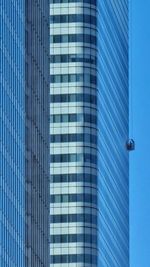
{"points": [[73, 98], [64, 58], [63, 18], [64, 138], [57, 118], [87, 138], [55, 98], [64, 158], [80, 38], [64, 239], [73, 78], [80, 117], [79, 157], [65, 38], [64, 98], [57, 78], [73, 38], [56, 39], [79, 78], [74, 198], [72, 238], [92, 2], [70, 258], [73, 58], [56, 19], [80, 198], [74, 177], [65, 118], [55, 138], [72, 157], [64, 178], [72, 138], [57, 198], [93, 79], [57, 58], [79, 97], [87, 78], [72, 217], [88, 158], [73, 18], [72, 117]]}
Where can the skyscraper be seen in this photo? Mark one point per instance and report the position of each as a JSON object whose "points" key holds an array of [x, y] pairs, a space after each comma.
{"points": [[12, 143], [24, 133], [113, 133], [37, 133], [89, 128]]}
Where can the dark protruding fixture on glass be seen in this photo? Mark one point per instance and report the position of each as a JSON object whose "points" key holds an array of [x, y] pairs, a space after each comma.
{"points": [[130, 144]]}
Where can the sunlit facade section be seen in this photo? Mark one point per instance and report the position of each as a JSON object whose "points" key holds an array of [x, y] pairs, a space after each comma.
{"points": [[12, 133], [113, 124]]}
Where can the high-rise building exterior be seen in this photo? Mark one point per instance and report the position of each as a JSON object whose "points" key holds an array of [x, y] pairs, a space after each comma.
{"points": [[37, 133], [24, 133], [12, 131], [89, 220], [113, 133]]}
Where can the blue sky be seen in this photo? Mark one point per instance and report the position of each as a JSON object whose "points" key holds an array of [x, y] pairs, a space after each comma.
{"points": [[140, 159]]}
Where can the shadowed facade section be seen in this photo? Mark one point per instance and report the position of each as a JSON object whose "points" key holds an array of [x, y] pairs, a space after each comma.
{"points": [[37, 133]]}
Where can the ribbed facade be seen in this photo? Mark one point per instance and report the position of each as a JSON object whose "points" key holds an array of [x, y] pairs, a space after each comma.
{"points": [[113, 133], [89, 216], [12, 138], [37, 133]]}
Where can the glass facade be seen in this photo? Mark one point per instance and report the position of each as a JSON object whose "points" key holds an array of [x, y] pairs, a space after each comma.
{"points": [[73, 134], [12, 134], [37, 133], [24, 133], [89, 201], [113, 126]]}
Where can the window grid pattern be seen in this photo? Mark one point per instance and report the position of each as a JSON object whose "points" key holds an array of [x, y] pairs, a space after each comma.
{"points": [[73, 18], [60, 138], [66, 58], [73, 238], [80, 117], [71, 218], [37, 133], [73, 65], [72, 78], [75, 258], [12, 135], [91, 2], [74, 177]]}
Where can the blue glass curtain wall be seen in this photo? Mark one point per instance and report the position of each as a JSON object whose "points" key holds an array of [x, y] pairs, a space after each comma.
{"points": [[12, 137]]}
